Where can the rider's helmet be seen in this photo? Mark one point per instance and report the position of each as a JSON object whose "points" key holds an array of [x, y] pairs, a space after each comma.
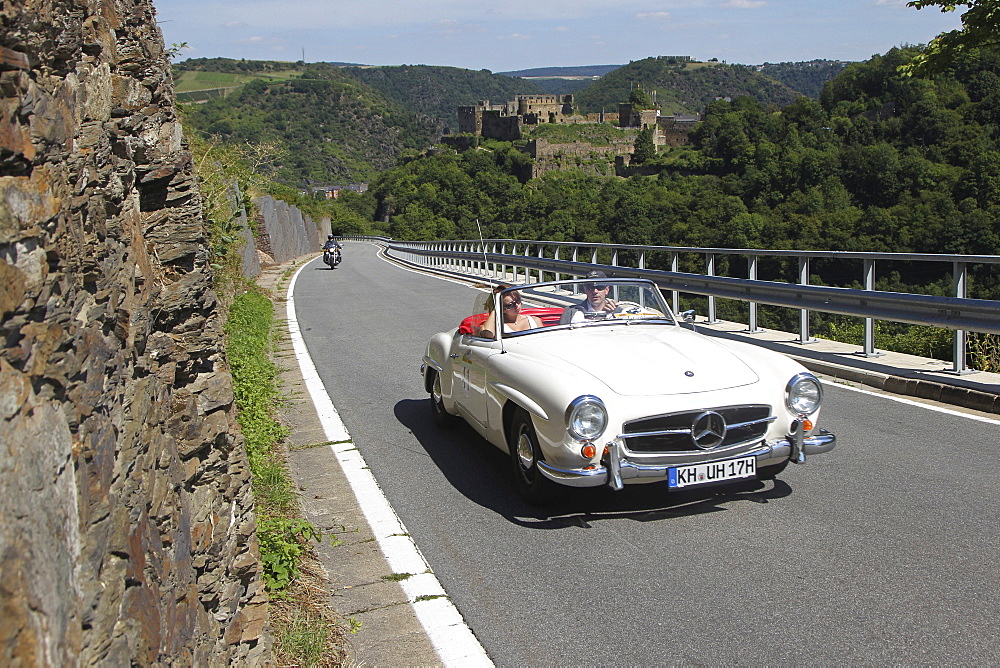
{"points": [[329, 236]]}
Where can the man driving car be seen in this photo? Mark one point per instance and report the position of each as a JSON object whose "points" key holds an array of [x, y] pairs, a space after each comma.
{"points": [[596, 303]]}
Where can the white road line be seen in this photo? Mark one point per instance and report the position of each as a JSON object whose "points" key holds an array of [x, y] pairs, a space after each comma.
{"points": [[451, 637], [918, 404]]}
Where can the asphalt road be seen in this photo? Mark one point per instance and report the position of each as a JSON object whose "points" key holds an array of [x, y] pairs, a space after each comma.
{"points": [[886, 550]]}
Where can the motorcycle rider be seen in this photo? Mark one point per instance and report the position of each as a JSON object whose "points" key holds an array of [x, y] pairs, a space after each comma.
{"points": [[333, 247], [331, 243]]}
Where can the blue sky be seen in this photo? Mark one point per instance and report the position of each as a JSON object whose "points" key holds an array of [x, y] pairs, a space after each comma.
{"points": [[519, 34]]}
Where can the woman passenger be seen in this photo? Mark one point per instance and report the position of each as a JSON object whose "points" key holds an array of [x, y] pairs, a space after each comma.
{"points": [[513, 319]]}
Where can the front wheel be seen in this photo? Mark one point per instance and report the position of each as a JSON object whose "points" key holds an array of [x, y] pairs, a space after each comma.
{"points": [[442, 418], [533, 487]]}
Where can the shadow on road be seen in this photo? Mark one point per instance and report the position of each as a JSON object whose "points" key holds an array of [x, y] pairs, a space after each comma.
{"points": [[483, 473]]}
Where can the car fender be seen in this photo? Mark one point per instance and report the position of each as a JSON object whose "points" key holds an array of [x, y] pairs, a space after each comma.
{"points": [[519, 398], [522, 380], [436, 358]]}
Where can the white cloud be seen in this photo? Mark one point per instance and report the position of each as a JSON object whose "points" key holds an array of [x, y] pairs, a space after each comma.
{"points": [[653, 16], [744, 4]]}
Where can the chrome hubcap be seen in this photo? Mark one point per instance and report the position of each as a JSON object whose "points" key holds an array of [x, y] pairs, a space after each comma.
{"points": [[436, 390], [525, 452]]}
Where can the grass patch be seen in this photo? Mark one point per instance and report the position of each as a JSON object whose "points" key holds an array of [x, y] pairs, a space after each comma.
{"points": [[306, 632]]}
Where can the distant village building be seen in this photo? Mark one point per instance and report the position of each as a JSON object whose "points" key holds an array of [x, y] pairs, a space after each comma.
{"points": [[333, 192]]}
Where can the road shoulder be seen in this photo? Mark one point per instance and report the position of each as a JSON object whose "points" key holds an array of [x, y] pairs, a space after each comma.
{"points": [[361, 588]]}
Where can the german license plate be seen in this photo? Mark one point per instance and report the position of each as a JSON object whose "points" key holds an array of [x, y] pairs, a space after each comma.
{"points": [[703, 474]]}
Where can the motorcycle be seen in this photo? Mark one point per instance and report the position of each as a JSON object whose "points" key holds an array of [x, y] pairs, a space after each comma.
{"points": [[332, 257]]}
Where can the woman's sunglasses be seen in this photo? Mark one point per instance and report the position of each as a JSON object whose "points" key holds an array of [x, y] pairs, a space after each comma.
{"points": [[512, 305]]}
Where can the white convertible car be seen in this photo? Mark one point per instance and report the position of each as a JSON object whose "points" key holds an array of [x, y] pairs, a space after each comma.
{"points": [[594, 382]]}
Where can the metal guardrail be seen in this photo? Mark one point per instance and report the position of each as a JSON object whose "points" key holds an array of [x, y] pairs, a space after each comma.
{"points": [[958, 313]]}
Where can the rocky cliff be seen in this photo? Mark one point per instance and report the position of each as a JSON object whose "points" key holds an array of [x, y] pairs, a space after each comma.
{"points": [[126, 521]]}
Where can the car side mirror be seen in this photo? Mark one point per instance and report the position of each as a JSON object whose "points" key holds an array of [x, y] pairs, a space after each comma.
{"points": [[688, 319]]}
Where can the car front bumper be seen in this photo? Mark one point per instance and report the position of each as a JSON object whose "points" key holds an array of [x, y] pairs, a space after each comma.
{"points": [[616, 468]]}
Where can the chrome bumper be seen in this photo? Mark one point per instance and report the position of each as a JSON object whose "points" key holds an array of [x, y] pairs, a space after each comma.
{"points": [[616, 467]]}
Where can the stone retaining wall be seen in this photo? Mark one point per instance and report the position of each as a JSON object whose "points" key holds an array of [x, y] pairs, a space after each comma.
{"points": [[126, 519], [289, 233]]}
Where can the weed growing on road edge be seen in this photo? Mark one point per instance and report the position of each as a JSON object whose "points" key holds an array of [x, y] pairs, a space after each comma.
{"points": [[306, 632]]}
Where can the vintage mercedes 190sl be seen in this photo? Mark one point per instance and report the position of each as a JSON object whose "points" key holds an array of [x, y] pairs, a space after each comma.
{"points": [[594, 382]]}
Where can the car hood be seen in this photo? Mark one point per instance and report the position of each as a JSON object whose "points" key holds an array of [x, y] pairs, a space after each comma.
{"points": [[645, 360]]}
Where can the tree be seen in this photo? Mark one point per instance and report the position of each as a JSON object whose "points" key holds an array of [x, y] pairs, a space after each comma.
{"points": [[980, 28], [644, 149], [639, 99]]}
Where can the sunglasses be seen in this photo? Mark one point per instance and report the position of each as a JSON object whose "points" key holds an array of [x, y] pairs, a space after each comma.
{"points": [[593, 286], [513, 305]]}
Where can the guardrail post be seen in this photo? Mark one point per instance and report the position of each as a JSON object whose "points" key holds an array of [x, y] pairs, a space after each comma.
{"points": [[710, 271], [642, 265], [869, 350], [752, 275], [675, 295], [804, 336], [961, 336], [556, 257], [576, 258], [541, 255]]}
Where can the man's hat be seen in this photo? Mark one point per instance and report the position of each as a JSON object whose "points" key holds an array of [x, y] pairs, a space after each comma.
{"points": [[597, 274]]}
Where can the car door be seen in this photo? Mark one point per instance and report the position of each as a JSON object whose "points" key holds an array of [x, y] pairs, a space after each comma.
{"points": [[469, 382]]}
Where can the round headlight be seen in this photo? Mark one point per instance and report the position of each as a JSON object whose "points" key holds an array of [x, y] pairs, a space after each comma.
{"points": [[586, 418], [803, 394]]}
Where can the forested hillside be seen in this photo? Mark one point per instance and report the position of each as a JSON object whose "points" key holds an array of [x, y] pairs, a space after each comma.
{"points": [[437, 92], [807, 78], [681, 87], [328, 126]]}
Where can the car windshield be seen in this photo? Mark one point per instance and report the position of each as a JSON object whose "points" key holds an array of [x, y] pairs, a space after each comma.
{"points": [[538, 307]]}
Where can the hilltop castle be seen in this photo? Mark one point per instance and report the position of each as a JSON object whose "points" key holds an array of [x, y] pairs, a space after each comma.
{"points": [[504, 121]]}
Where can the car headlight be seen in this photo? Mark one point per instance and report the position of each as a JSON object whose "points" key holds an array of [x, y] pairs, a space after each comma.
{"points": [[586, 418], [803, 394]]}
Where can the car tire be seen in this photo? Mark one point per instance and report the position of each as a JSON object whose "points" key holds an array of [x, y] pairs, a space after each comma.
{"points": [[533, 487], [442, 418], [771, 472]]}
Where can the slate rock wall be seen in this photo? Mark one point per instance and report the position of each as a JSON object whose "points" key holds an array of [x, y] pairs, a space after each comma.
{"points": [[126, 520], [287, 232]]}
